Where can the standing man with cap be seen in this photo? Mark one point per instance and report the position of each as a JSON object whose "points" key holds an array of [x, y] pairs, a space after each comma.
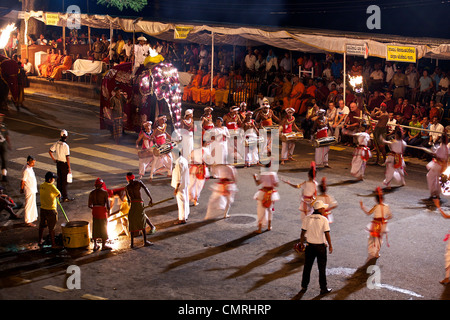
{"points": [[180, 182], [28, 186], [117, 104], [141, 51], [60, 153], [49, 216], [5, 142], [316, 232]]}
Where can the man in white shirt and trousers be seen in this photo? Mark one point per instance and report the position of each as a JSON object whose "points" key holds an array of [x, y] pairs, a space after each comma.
{"points": [[180, 182], [141, 51], [29, 188], [60, 153]]}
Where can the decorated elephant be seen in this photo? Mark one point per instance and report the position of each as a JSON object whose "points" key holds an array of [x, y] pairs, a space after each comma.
{"points": [[153, 89], [11, 81]]}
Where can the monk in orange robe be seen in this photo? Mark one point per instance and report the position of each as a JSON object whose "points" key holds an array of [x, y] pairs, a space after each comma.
{"points": [[66, 65], [294, 99], [44, 64], [205, 91], [222, 91], [195, 82], [54, 60]]}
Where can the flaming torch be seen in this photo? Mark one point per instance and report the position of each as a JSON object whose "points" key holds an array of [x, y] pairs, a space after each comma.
{"points": [[4, 37]]}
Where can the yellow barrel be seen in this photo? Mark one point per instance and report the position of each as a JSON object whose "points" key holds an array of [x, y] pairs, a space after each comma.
{"points": [[75, 234]]}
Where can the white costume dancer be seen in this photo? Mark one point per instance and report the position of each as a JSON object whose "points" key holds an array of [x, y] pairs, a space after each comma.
{"points": [[223, 192], [146, 153], [436, 167], [265, 197], [446, 280], [188, 139], [320, 129], [286, 126], [378, 227], [328, 200], [395, 165], [180, 182], [308, 194], [160, 137], [361, 155], [198, 172], [251, 135], [219, 146]]}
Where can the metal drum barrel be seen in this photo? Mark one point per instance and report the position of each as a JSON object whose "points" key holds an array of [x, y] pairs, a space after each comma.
{"points": [[75, 234]]}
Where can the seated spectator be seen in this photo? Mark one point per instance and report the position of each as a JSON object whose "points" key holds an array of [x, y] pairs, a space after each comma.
{"points": [[413, 138], [351, 124], [28, 67], [41, 41], [420, 111], [435, 111], [390, 103], [398, 107], [375, 100], [435, 138], [407, 110], [65, 65]]}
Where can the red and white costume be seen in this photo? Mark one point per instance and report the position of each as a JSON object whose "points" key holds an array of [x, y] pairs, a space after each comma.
{"points": [[266, 197], [163, 162], [395, 164], [198, 172], [223, 192], [361, 155]]}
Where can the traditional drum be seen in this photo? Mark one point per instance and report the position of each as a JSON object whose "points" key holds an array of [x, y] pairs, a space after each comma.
{"points": [[322, 142], [253, 141], [235, 132], [164, 148], [291, 136], [269, 128]]}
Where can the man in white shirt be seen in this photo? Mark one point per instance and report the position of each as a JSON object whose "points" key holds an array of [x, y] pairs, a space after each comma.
{"points": [[285, 63], [250, 61], [60, 154], [341, 114], [316, 232], [29, 188], [435, 126], [180, 182], [141, 51], [28, 67]]}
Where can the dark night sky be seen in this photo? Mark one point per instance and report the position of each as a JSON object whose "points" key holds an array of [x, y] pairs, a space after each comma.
{"points": [[412, 18]]}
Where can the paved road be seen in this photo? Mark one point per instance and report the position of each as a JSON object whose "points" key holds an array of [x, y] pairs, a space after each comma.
{"points": [[221, 259]]}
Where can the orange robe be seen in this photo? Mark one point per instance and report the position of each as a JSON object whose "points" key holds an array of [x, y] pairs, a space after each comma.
{"points": [[43, 65], [196, 81], [66, 64], [294, 99], [48, 69], [222, 91], [205, 91]]}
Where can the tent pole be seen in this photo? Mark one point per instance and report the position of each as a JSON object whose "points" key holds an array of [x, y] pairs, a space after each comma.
{"points": [[344, 76], [212, 67]]}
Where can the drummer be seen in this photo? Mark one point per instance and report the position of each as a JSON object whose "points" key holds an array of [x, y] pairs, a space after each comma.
{"points": [[161, 137], [251, 133], [286, 125], [266, 118], [145, 154], [320, 130], [207, 120], [232, 121], [188, 140]]}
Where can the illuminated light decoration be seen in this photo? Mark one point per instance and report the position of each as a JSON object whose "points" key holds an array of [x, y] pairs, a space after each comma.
{"points": [[166, 86], [6, 33], [357, 83]]}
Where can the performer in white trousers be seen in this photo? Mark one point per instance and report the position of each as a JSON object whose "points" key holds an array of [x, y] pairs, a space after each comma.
{"points": [[160, 137], [361, 155], [320, 130], [251, 133], [188, 139], [219, 144], [309, 192], [180, 182], [29, 188], [265, 198], [436, 167], [446, 280], [327, 199], [223, 192], [395, 164], [378, 227], [286, 126], [146, 153], [198, 172]]}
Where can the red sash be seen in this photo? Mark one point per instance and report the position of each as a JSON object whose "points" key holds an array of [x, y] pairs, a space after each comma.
{"points": [[99, 212], [267, 199], [267, 122], [322, 133]]}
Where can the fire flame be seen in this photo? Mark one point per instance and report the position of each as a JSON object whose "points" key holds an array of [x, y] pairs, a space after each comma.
{"points": [[6, 33], [355, 81]]}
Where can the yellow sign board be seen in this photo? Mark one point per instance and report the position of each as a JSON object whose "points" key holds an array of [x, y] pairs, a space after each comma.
{"points": [[182, 32], [401, 54], [51, 19]]}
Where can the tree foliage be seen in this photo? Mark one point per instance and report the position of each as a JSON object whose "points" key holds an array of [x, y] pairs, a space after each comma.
{"points": [[136, 5]]}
